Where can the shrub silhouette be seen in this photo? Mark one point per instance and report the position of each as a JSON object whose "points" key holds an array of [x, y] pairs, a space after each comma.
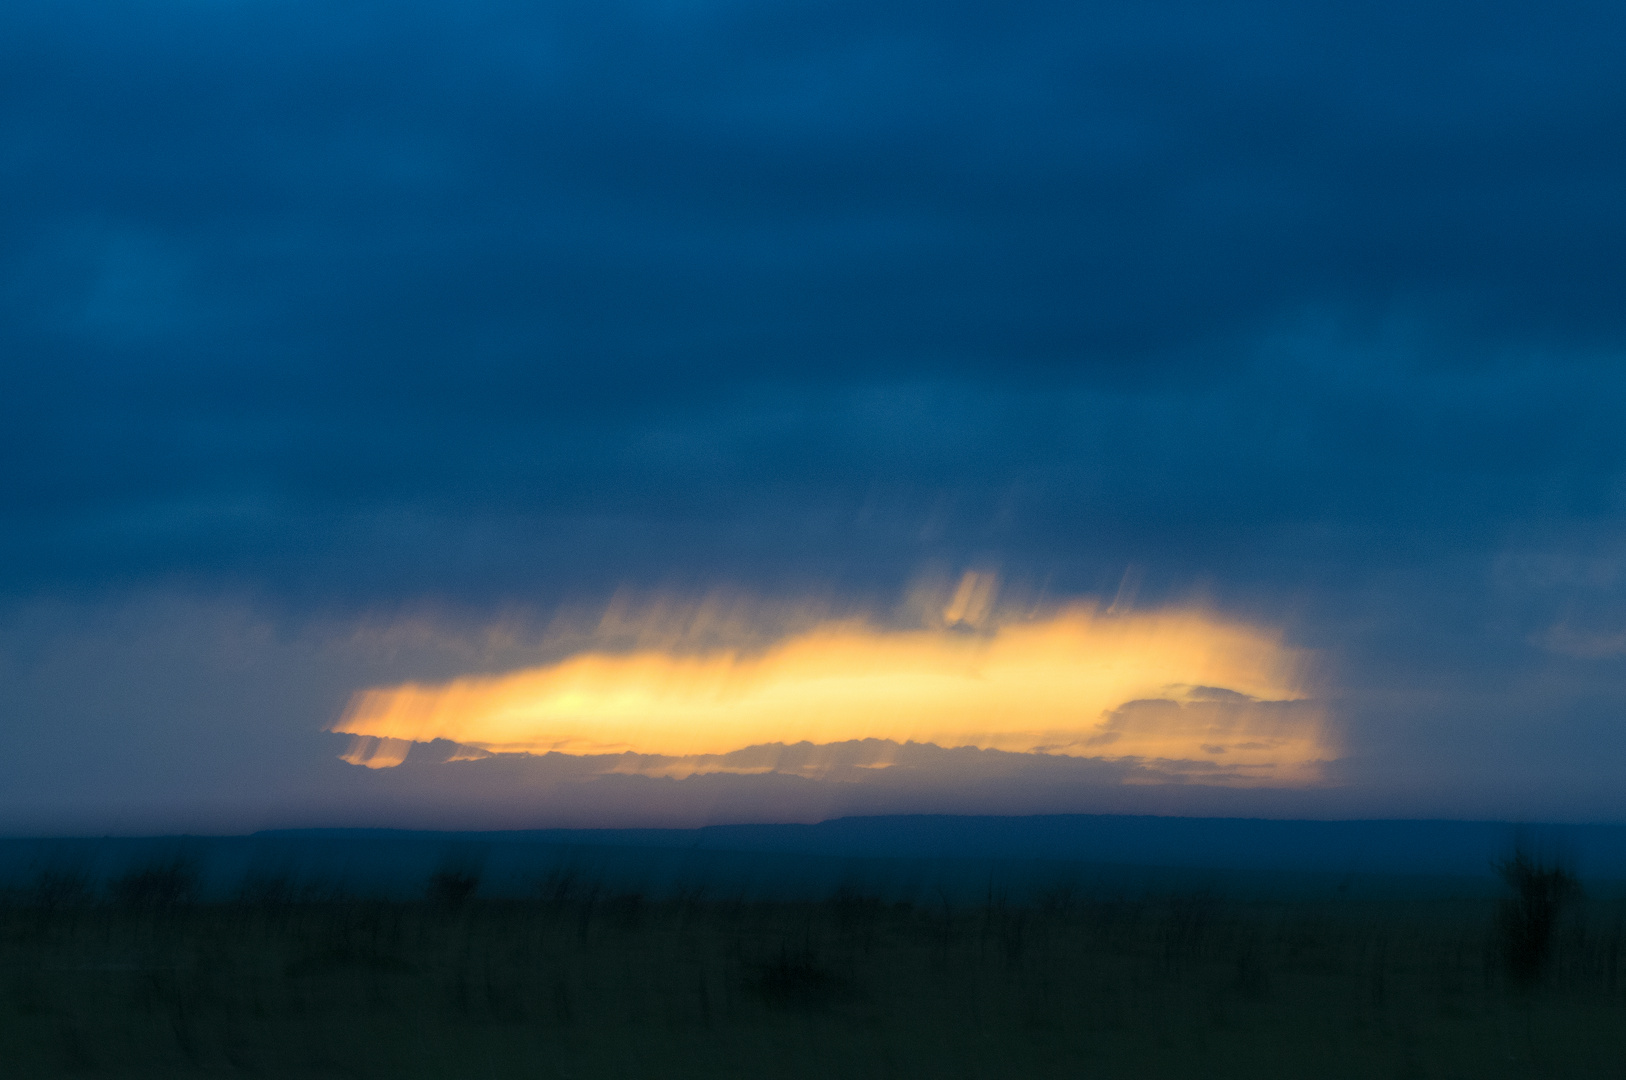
{"points": [[158, 885], [797, 979], [57, 887], [267, 889], [1526, 920], [451, 887]]}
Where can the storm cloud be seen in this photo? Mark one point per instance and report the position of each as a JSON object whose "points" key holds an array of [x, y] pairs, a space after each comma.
{"points": [[320, 319]]}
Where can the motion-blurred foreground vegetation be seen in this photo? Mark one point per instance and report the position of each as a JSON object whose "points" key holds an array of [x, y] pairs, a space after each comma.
{"points": [[140, 980]]}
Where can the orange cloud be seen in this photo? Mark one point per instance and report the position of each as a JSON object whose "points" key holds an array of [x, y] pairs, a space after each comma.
{"points": [[1173, 684]]}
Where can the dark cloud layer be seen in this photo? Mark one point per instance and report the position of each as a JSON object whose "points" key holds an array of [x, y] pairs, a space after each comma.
{"points": [[358, 307]]}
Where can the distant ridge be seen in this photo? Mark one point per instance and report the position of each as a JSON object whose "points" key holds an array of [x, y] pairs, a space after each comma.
{"points": [[933, 857], [1402, 847]]}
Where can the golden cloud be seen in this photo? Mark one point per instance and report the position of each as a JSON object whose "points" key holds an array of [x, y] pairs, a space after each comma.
{"points": [[1177, 684]]}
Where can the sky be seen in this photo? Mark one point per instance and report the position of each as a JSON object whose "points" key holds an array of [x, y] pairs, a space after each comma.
{"points": [[488, 414]]}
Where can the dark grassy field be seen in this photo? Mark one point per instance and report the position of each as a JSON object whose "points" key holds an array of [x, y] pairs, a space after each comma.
{"points": [[579, 982]]}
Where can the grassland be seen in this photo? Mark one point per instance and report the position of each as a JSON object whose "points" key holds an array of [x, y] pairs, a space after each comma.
{"points": [[579, 983]]}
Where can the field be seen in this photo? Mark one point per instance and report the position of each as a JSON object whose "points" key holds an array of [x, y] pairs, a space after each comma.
{"points": [[579, 982]]}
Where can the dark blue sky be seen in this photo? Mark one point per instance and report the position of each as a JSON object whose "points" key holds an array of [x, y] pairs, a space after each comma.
{"points": [[316, 316]]}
